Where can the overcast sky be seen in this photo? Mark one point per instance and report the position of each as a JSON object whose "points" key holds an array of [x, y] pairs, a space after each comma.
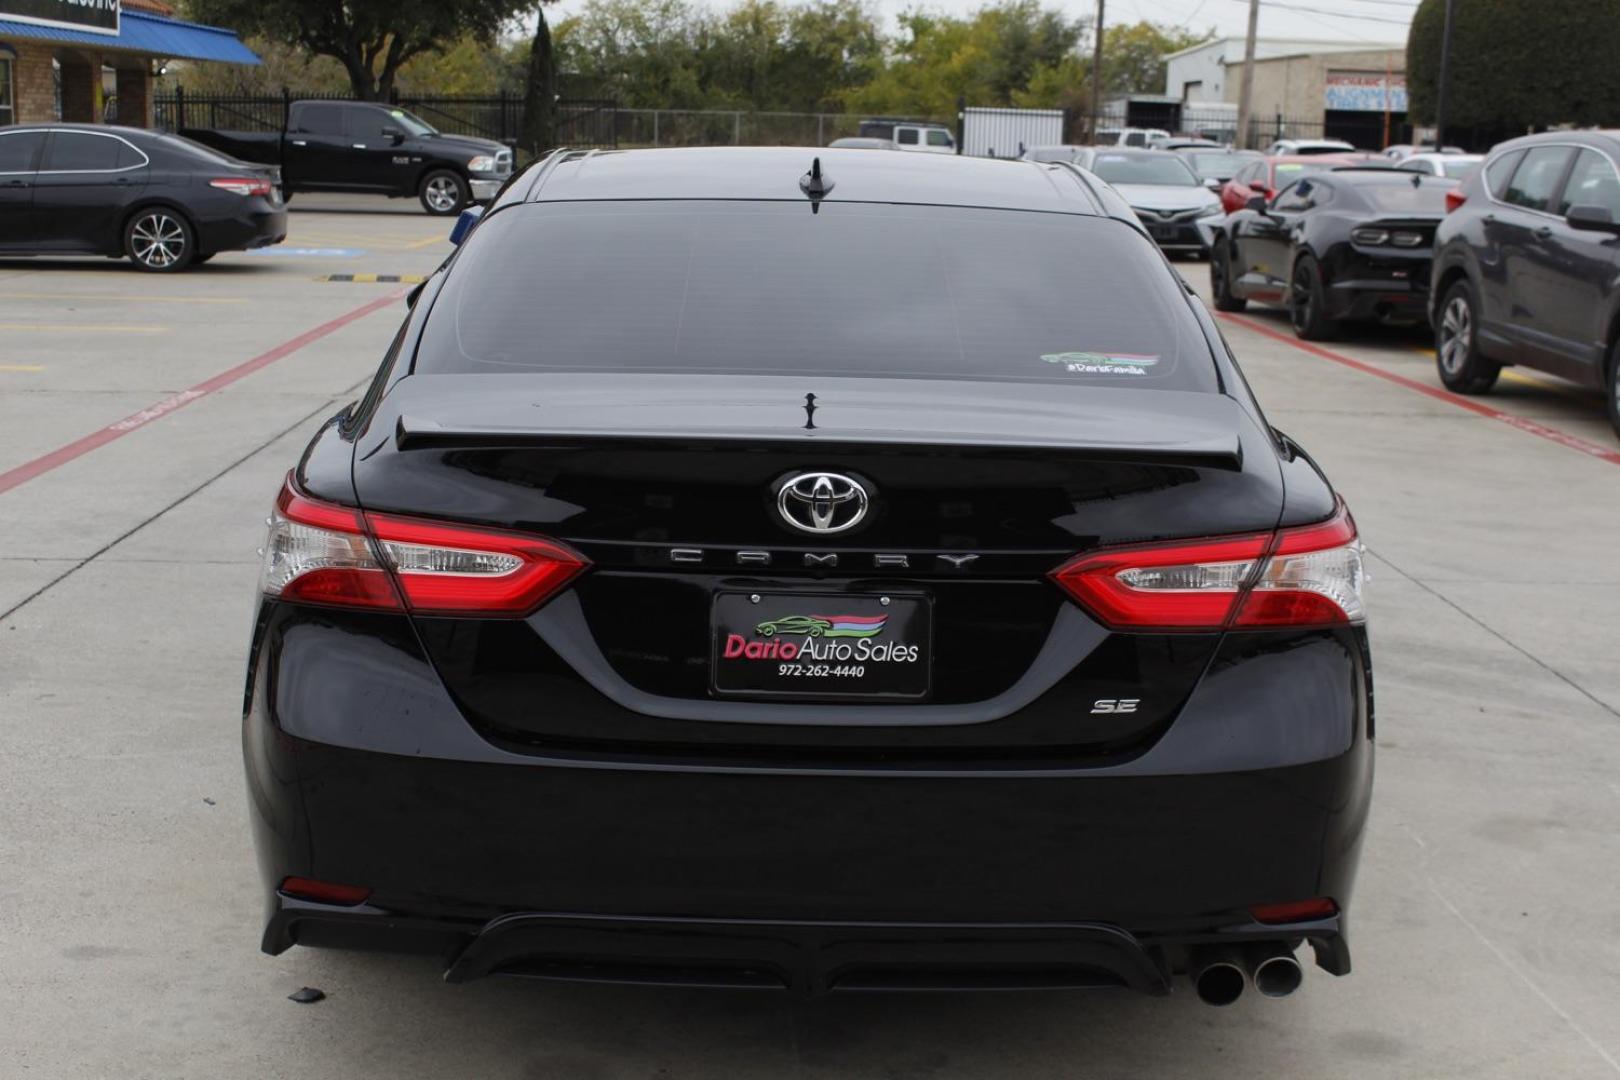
{"points": [[1340, 20]]}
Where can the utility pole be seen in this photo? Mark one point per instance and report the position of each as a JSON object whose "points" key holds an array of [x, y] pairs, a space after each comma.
{"points": [[1246, 90], [1096, 77], [1440, 91]]}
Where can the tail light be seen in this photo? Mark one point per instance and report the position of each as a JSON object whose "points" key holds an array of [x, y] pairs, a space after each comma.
{"points": [[320, 553], [324, 892], [1295, 911], [242, 185], [1296, 577], [1454, 200]]}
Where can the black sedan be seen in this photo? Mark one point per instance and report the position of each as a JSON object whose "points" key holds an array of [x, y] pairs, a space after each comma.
{"points": [[163, 201], [980, 634], [1352, 243]]}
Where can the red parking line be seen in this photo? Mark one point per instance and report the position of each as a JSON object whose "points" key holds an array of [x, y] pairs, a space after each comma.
{"points": [[1573, 442], [156, 411]]}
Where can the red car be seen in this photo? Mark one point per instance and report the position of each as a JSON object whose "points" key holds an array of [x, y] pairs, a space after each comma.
{"points": [[1269, 175]]}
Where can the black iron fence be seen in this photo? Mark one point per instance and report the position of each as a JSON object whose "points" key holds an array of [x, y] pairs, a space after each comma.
{"points": [[496, 116]]}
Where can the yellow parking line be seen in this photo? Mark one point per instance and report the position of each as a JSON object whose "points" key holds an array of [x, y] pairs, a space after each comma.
{"points": [[129, 298], [81, 328], [22, 367], [429, 241]]}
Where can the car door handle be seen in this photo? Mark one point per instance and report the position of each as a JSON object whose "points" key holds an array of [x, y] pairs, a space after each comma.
{"points": [[1544, 232], [358, 146], [300, 142], [16, 183]]}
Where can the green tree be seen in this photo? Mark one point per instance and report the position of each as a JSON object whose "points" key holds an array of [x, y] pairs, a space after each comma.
{"points": [[372, 39], [1133, 55], [1517, 64]]}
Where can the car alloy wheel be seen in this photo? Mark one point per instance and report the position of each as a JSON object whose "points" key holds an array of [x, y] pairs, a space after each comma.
{"points": [[1301, 299], [1456, 335], [158, 240], [442, 194]]}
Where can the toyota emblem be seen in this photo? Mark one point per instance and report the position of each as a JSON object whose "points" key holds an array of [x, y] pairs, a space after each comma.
{"points": [[822, 502]]}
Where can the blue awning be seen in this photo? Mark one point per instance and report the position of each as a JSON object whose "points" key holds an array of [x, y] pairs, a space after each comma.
{"points": [[151, 35]]}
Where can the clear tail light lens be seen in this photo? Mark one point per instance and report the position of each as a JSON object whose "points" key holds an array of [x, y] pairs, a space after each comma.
{"points": [[320, 553], [242, 185], [1306, 576]]}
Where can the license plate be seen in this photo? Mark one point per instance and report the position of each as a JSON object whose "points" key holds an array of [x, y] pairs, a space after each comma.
{"points": [[822, 645], [1163, 232]]}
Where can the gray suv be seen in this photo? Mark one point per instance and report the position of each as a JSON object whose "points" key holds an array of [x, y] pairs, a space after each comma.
{"points": [[1527, 265]]}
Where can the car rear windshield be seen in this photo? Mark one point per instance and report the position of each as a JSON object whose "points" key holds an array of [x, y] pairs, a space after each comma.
{"points": [[857, 289]]}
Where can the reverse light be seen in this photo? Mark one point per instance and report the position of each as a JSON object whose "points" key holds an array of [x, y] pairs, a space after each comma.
{"points": [[1405, 238], [242, 185], [321, 553], [1454, 200], [1304, 576], [1370, 237]]}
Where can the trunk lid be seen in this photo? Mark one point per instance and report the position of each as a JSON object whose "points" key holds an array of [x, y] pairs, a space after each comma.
{"points": [[671, 486]]}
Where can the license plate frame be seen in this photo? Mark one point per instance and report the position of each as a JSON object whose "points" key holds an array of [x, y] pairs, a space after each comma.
{"points": [[845, 647]]}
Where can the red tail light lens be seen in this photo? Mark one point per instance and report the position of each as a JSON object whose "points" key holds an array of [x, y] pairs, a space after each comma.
{"points": [[324, 892], [1454, 200], [320, 553], [1307, 576], [1295, 911], [242, 185]]}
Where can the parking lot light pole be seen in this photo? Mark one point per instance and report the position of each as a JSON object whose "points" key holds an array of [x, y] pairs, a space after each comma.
{"points": [[1440, 91]]}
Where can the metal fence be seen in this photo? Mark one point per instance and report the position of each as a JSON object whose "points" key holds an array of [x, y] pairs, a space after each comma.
{"points": [[498, 116], [716, 127]]}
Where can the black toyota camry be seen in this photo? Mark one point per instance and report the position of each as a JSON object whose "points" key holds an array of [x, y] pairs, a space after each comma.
{"points": [[811, 569], [164, 202]]}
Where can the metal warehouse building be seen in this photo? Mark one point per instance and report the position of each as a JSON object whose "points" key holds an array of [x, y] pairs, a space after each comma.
{"points": [[90, 61], [1326, 88]]}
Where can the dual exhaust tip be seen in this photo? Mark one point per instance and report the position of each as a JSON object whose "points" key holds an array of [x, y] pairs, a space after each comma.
{"points": [[1220, 973]]}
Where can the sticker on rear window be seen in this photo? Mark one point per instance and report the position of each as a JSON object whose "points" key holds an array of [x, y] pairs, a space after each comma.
{"points": [[1090, 363]]}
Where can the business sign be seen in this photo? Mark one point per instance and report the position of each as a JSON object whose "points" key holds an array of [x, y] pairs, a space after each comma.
{"points": [[1358, 91], [94, 16]]}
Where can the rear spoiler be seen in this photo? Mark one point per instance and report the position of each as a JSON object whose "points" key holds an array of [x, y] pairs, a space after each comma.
{"points": [[1215, 451]]}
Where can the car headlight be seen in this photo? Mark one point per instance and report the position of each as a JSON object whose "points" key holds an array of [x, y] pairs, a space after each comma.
{"points": [[1212, 210], [481, 163]]}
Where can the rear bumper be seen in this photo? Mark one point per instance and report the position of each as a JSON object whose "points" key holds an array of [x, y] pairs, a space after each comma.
{"points": [[808, 959], [808, 873], [252, 227]]}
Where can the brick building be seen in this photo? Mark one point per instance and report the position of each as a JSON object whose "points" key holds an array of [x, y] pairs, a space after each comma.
{"points": [[83, 60]]}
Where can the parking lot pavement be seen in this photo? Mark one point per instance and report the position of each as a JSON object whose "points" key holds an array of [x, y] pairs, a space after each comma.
{"points": [[1484, 928]]}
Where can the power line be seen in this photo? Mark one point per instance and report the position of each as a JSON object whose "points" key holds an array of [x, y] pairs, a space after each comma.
{"points": [[1331, 14]]}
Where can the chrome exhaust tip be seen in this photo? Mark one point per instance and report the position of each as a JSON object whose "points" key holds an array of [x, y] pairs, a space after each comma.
{"points": [[1275, 972], [1217, 975]]}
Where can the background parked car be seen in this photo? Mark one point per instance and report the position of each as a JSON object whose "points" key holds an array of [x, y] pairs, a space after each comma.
{"points": [[1216, 165], [1266, 176], [1353, 243], [1066, 152], [358, 146], [1166, 194], [163, 201], [1402, 151], [1309, 146], [922, 136], [1131, 136], [1527, 264], [1451, 166], [858, 142]]}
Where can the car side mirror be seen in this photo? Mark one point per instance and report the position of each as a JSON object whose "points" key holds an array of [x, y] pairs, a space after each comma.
{"points": [[1213, 183], [464, 224], [1258, 204], [1592, 219], [394, 135]]}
